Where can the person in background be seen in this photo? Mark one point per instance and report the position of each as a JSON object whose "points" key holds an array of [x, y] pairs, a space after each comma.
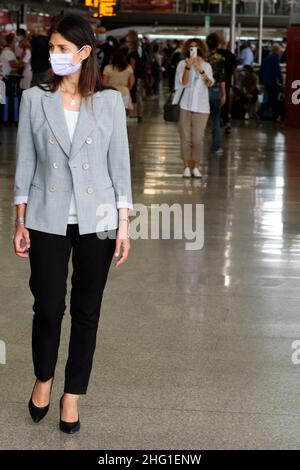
{"points": [[167, 52], [271, 81], [193, 77], [156, 68], [20, 35], [136, 60], [217, 93], [8, 57], [119, 74], [2, 42], [147, 57], [247, 94], [25, 62], [104, 49], [246, 54], [11, 77], [230, 71], [174, 61], [283, 58], [39, 58], [113, 42]]}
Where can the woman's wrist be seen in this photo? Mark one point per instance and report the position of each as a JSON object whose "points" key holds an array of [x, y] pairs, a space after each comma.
{"points": [[20, 221], [123, 231]]}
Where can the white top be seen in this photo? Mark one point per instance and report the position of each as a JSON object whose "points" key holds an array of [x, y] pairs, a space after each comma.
{"points": [[5, 57], [25, 82], [195, 97], [71, 120]]}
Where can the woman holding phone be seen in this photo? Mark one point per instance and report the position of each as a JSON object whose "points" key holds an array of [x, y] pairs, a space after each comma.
{"points": [[193, 78]]}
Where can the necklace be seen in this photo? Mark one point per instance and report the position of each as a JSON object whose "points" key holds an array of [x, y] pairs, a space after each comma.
{"points": [[72, 101]]}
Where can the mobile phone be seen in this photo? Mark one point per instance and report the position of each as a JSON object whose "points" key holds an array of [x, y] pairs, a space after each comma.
{"points": [[193, 52]]}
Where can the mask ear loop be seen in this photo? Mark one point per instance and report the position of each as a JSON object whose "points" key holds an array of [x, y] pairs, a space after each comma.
{"points": [[81, 60]]}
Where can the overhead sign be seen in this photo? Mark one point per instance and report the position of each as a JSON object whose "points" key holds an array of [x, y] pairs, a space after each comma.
{"points": [[105, 7]]}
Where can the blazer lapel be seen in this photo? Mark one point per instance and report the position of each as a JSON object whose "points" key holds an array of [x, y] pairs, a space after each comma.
{"points": [[85, 125], [53, 110]]}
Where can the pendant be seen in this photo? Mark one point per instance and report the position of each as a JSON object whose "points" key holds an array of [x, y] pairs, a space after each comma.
{"points": [[73, 102]]}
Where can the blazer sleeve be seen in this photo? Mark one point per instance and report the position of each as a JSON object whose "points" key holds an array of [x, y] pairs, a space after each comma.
{"points": [[118, 157], [26, 153]]}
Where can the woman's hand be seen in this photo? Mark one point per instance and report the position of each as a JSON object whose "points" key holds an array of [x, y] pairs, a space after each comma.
{"points": [[122, 244], [199, 63], [191, 61], [21, 241]]}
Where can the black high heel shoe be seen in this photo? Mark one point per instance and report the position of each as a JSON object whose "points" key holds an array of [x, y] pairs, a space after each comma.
{"points": [[37, 413], [64, 426]]}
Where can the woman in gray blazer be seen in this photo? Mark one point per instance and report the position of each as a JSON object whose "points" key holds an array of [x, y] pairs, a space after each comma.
{"points": [[72, 194]]}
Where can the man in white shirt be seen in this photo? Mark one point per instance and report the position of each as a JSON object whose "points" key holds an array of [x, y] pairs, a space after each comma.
{"points": [[8, 57], [246, 55]]}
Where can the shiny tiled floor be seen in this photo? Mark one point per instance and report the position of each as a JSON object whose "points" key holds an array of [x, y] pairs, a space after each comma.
{"points": [[194, 347]]}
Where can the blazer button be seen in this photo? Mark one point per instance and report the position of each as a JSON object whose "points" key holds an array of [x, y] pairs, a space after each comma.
{"points": [[85, 166], [88, 140], [51, 141], [55, 165], [90, 190], [52, 188]]}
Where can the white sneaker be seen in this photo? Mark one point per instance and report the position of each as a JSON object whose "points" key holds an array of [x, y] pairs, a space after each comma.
{"points": [[196, 173], [187, 173], [219, 152]]}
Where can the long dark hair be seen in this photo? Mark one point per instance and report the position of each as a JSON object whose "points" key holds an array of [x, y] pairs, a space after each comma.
{"points": [[119, 60], [77, 30]]}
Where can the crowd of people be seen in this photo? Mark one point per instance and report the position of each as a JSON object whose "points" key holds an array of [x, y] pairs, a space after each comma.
{"points": [[213, 82]]}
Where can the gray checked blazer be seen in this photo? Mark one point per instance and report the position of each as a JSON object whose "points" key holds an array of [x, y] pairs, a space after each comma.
{"points": [[96, 164]]}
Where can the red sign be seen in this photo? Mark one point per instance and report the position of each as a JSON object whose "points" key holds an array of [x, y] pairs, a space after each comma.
{"points": [[5, 17], [147, 5], [293, 78]]}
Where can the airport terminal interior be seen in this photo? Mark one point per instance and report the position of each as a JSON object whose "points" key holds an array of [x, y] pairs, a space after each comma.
{"points": [[195, 348]]}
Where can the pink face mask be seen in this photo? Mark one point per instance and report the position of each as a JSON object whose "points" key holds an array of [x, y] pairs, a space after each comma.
{"points": [[62, 64]]}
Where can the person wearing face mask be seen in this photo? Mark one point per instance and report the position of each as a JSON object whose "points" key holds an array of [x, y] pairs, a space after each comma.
{"points": [[72, 193], [193, 78], [104, 49]]}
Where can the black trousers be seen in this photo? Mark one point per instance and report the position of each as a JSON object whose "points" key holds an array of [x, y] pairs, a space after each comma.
{"points": [[272, 101], [49, 257], [225, 109]]}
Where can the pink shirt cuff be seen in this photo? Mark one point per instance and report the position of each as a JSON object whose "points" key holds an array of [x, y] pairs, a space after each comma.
{"points": [[124, 205], [20, 200]]}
